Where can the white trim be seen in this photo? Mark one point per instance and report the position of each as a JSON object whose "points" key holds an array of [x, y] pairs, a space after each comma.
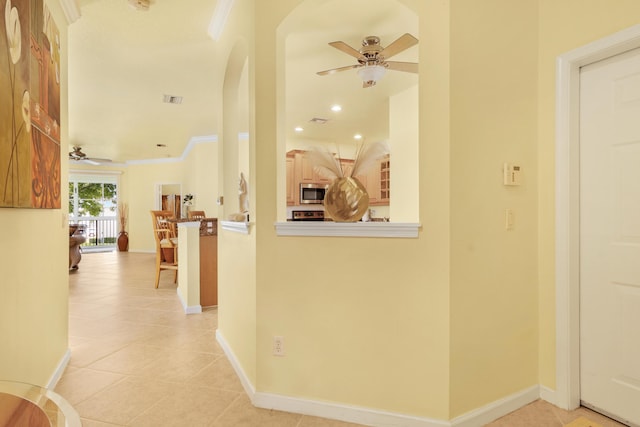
{"points": [[568, 204], [93, 172], [497, 409], [57, 374], [71, 10], [348, 229], [192, 143], [244, 379], [219, 18], [198, 140], [346, 413], [236, 226], [370, 416], [193, 309], [548, 395]]}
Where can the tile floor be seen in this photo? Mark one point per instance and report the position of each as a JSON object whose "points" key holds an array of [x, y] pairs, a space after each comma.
{"points": [[138, 360]]}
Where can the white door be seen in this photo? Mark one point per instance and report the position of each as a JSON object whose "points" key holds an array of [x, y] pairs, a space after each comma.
{"points": [[610, 236]]}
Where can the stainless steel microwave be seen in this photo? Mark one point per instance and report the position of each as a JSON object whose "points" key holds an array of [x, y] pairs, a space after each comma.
{"points": [[312, 193]]}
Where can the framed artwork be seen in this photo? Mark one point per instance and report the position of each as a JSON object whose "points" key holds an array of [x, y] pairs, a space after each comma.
{"points": [[29, 106]]}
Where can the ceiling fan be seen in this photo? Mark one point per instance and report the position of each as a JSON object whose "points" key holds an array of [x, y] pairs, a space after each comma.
{"points": [[78, 156], [372, 58]]}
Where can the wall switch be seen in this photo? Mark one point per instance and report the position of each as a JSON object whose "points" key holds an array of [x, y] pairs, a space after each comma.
{"points": [[511, 174], [278, 346], [508, 219]]}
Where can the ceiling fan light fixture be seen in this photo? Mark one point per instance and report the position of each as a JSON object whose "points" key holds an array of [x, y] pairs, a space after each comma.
{"points": [[371, 73]]}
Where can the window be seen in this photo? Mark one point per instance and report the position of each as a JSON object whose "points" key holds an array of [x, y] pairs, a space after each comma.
{"points": [[92, 199], [93, 204]]}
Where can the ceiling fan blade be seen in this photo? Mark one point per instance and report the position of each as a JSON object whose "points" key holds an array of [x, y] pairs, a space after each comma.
{"points": [[342, 46], [335, 70], [408, 67], [89, 160], [405, 41]]}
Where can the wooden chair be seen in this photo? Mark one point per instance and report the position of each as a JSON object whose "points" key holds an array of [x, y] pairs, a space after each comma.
{"points": [[196, 215], [166, 243]]}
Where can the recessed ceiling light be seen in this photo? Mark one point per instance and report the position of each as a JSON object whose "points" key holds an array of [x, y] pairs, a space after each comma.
{"points": [[298, 129], [357, 136], [336, 108]]}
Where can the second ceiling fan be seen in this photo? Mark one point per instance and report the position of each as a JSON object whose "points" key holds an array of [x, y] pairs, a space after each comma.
{"points": [[373, 58]]}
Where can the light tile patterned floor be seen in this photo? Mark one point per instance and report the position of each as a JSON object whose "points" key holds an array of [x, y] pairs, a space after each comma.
{"points": [[138, 360]]}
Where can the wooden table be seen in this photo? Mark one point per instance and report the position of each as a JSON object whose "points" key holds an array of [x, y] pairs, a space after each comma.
{"points": [[24, 404]]}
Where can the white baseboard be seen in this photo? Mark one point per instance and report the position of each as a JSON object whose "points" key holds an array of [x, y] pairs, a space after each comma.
{"points": [[499, 408], [347, 413], [548, 395], [57, 374], [193, 309], [374, 417], [244, 380]]}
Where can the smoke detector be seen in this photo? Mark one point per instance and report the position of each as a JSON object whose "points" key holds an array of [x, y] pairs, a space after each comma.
{"points": [[140, 4]]}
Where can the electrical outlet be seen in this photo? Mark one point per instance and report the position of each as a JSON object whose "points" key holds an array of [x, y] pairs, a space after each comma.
{"points": [[278, 346]]}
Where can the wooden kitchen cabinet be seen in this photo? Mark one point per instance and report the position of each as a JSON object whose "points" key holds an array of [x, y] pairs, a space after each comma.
{"points": [[376, 180], [385, 180], [378, 183], [208, 262], [292, 185], [309, 175]]}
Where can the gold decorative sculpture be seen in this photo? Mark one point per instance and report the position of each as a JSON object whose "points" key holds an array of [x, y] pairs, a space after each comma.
{"points": [[346, 199]]}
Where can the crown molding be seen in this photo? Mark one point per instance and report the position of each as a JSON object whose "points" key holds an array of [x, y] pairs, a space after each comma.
{"points": [[71, 10], [192, 143], [219, 18]]}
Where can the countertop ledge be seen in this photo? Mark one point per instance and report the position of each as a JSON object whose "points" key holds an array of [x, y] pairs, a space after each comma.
{"points": [[348, 229], [236, 226]]}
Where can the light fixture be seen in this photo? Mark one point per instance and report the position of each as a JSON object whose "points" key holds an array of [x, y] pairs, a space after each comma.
{"points": [[298, 129], [357, 136], [371, 73], [140, 4], [336, 108], [171, 99]]}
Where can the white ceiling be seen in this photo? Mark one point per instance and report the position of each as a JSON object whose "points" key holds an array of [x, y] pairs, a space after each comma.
{"points": [[122, 62]]}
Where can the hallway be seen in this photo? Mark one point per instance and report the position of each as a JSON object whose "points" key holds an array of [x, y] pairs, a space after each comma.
{"points": [[138, 360]]}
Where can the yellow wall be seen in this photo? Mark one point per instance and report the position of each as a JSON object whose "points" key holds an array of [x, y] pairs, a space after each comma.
{"points": [[403, 136], [494, 328], [34, 263], [564, 26], [372, 329], [434, 326], [237, 252]]}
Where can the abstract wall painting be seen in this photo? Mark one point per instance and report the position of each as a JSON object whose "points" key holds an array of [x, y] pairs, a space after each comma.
{"points": [[29, 106]]}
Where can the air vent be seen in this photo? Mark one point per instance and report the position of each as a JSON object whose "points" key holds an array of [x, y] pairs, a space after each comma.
{"points": [[170, 99], [319, 120]]}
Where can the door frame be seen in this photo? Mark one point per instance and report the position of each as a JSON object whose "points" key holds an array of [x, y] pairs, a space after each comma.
{"points": [[568, 206]]}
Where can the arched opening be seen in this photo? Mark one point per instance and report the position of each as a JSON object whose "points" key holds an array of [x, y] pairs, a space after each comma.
{"points": [[387, 111]]}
